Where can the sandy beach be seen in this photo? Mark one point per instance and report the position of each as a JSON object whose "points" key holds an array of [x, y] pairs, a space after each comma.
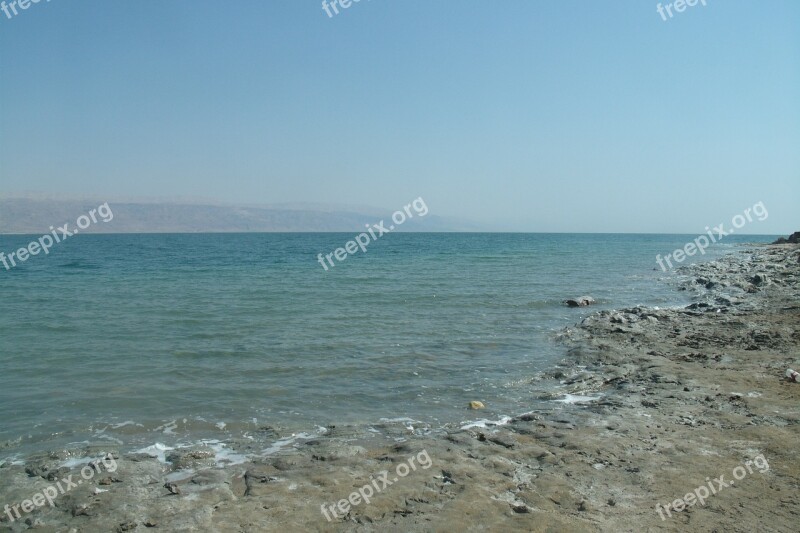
{"points": [[671, 404]]}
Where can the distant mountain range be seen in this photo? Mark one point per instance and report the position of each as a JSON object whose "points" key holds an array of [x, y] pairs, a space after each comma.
{"points": [[28, 215]]}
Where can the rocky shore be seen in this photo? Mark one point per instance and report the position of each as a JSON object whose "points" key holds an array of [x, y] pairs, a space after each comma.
{"points": [[665, 401]]}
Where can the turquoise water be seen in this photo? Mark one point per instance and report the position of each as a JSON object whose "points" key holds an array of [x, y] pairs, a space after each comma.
{"points": [[139, 339]]}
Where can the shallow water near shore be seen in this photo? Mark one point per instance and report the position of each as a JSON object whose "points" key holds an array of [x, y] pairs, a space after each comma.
{"points": [[142, 339]]}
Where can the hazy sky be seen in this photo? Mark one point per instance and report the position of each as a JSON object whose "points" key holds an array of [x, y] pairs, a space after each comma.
{"points": [[534, 115]]}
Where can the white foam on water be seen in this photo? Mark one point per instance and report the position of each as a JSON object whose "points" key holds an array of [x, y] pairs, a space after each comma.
{"points": [[79, 461], [13, 460], [158, 450], [75, 461], [78, 443], [576, 398], [224, 456], [126, 423], [102, 436], [168, 428], [408, 423], [280, 444], [485, 423], [402, 419]]}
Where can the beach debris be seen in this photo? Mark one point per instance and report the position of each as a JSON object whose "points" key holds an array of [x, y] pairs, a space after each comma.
{"points": [[793, 376], [447, 478], [475, 404], [582, 301], [80, 510]]}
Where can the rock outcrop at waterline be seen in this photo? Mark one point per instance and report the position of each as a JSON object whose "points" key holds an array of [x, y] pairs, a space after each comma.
{"points": [[794, 238]]}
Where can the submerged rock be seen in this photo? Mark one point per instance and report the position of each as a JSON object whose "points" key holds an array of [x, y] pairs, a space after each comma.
{"points": [[583, 301]]}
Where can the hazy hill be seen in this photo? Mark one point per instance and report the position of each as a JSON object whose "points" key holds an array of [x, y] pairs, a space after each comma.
{"points": [[36, 215]]}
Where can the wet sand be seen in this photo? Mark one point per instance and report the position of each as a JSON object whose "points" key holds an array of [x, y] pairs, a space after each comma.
{"points": [[683, 396]]}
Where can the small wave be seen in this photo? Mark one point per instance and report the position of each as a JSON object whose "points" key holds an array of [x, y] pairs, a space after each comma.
{"points": [[280, 444], [78, 265], [575, 398], [485, 423], [156, 450], [75, 462]]}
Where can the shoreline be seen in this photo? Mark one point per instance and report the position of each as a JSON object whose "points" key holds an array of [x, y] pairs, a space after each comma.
{"points": [[684, 394]]}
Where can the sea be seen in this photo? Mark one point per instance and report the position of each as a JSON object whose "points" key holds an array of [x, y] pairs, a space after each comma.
{"points": [[153, 341]]}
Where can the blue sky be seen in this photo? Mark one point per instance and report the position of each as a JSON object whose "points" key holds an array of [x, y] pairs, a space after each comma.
{"points": [[528, 115]]}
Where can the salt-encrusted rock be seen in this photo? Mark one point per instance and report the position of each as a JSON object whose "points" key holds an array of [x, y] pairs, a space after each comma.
{"points": [[195, 458]]}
